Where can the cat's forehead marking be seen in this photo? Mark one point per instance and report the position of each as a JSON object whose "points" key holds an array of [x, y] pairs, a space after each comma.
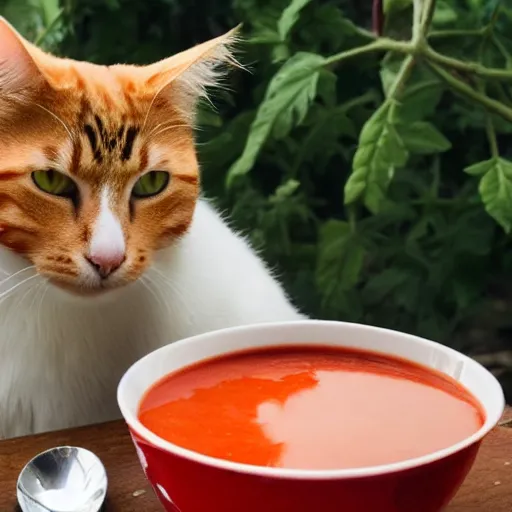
{"points": [[126, 152], [105, 140]]}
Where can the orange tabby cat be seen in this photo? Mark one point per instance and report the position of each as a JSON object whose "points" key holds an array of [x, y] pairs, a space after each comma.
{"points": [[99, 195]]}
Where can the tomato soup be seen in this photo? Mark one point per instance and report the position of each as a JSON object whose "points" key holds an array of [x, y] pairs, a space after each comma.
{"points": [[310, 407]]}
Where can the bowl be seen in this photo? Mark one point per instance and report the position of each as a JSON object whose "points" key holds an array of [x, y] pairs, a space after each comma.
{"points": [[186, 481]]}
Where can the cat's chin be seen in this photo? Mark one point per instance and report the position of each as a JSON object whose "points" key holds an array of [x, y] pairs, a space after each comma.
{"points": [[88, 294]]}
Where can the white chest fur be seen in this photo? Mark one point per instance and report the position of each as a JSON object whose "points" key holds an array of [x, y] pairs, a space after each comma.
{"points": [[62, 357]]}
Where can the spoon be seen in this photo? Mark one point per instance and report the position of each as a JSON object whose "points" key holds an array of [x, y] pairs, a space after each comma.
{"points": [[63, 479]]}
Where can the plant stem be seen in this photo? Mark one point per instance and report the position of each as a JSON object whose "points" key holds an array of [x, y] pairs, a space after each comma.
{"points": [[44, 34], [502, 94], [440, 34], [482, 88], [468, 67], [427, 16], [367, 97], [401, 78], [382, 44], [491, 135], [501, 48], [414, 89], [390, 45], [466, 91], [365, 33], [495, 14], [416, 20]]}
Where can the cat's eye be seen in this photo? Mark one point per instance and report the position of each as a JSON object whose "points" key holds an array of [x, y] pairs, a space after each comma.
{"points": [[55, 183], [151, 184]]}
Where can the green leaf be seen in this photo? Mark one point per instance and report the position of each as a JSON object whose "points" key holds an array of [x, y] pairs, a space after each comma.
{"points": [[420, 100], [340, 259], [382, 285], [444, 13], [422, 94], [206, 116], [327, 87], [264, 35], [496, 189], [327, 126], [481, 167], [423, 138], [25, 17], [381, 150], [389, 71], [113, 4], [280, 53], [50, 10], [219, 152], [465, 292], [326, 28], [289, 17], [286, 104], [284, 191], [264, 24], [396, 5]]}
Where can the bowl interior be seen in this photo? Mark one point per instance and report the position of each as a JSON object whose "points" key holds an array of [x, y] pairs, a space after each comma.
{"points": [[143, 374]]}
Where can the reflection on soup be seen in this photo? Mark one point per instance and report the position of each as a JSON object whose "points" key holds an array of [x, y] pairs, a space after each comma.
{"points": [[310, 407]]}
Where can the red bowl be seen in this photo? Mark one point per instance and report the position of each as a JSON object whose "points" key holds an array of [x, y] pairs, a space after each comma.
{"points": [[186, 481]]}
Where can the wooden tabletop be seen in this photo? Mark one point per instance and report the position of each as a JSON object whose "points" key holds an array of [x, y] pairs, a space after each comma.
{"points": [[489, 486]]}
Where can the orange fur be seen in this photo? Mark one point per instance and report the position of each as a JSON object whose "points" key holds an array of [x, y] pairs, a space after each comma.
{"points": [[101, 126]]}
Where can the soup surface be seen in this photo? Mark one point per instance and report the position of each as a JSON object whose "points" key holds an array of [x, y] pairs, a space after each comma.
{"points": [[310, 407]]}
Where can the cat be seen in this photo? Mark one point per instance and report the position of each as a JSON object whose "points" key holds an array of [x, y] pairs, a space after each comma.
{"points": [[107, 250]]}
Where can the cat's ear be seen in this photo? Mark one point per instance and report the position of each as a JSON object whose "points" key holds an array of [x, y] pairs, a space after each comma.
{"points": [[184, 78], [18, 70]]}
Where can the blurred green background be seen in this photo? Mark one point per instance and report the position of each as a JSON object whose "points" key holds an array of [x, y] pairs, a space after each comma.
{"points": [[411, 230]]}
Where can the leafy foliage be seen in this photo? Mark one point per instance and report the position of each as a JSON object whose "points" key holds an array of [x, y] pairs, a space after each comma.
{"points": [[381, 150], [342, 154], [496, 188], [286, 104]]}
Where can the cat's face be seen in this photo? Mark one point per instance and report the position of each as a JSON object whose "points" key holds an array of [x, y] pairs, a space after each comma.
{"points": [[98, 168]]}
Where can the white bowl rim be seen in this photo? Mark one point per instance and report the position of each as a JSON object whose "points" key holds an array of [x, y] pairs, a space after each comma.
{"points": [[150, 438]]}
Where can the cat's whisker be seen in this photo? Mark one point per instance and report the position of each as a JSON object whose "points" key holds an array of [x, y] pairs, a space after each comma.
{"points": [[57, 118], [35, 295], [41, 300], [163, 125], [33, 288], [151, 105], [159, 291], [160, 273], [167, 129], [162, 276], [11, 290], [11, 276], [150, 289], [38, 289]]}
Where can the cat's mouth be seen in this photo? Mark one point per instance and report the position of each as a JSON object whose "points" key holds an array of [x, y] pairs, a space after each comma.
{"points": [[87, 281], [80, 290]]}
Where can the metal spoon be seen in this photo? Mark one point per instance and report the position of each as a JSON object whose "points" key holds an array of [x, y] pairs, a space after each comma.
{"points": [[63, 479]]}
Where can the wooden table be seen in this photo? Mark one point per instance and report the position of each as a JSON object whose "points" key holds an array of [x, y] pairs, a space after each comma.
{"points": [[489, 487]]}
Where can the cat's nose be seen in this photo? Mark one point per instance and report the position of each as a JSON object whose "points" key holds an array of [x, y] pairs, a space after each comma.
{"points": [[106, 264]]}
